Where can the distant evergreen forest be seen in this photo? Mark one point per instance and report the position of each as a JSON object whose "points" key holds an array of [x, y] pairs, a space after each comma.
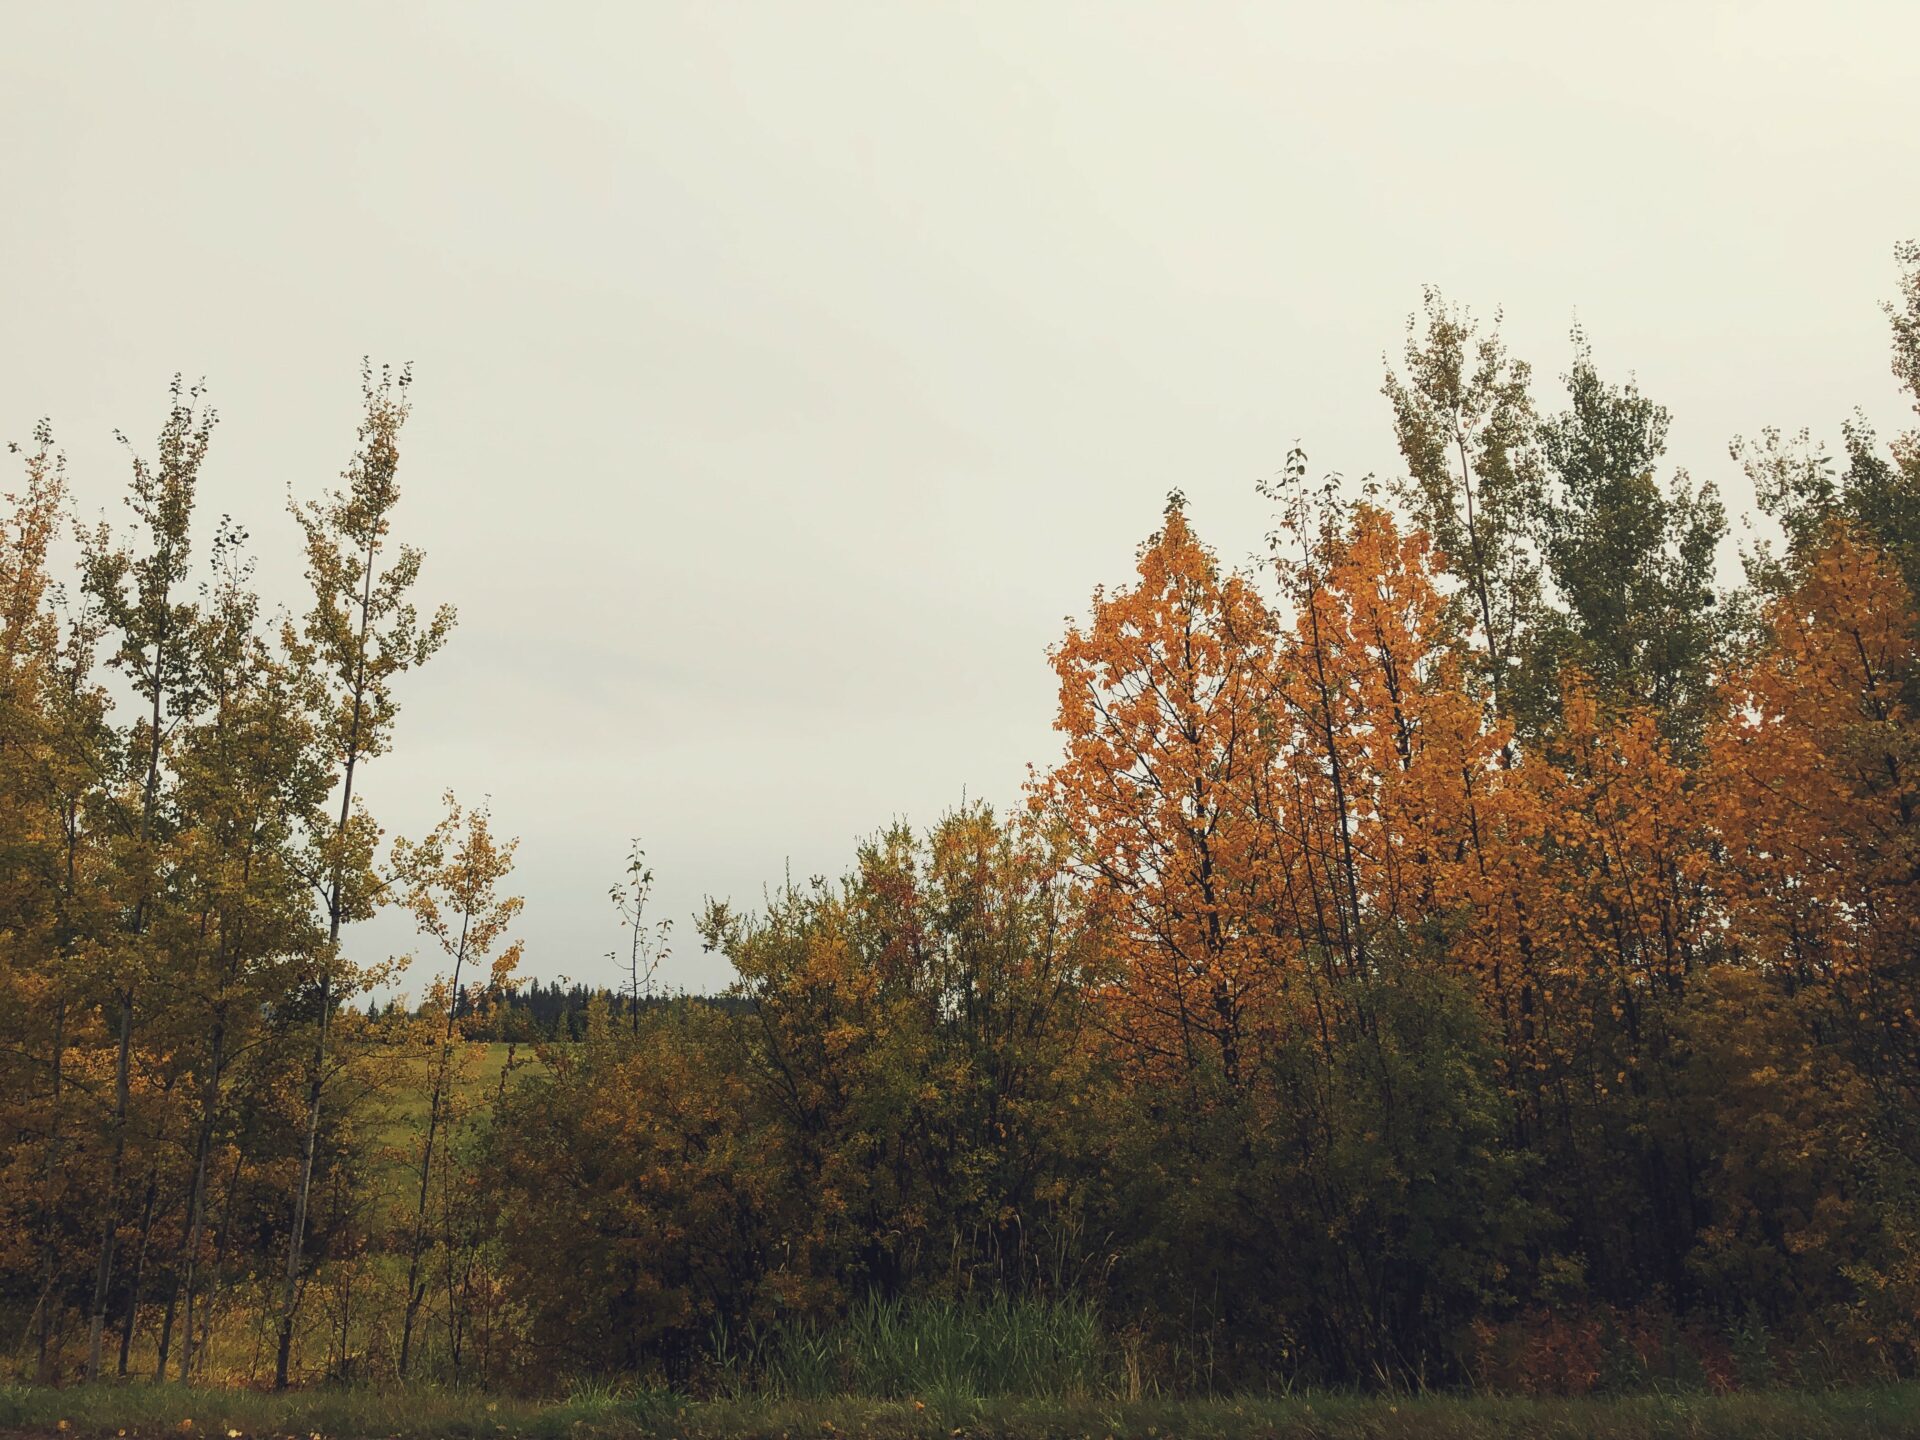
{"points": [[556, 1011]]}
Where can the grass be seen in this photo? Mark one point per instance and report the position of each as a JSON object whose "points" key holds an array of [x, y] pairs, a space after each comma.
{"points": [[931, 1349], [154, 1411], [404, 1114]]}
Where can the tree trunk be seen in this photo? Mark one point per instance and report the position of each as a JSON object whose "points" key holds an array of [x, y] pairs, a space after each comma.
{"points": [[219, 1262], [166, 1335], [197, 1205], [139, 1268], [109, 1227], [50, 1235], [416, 1288], [290, 1292]]}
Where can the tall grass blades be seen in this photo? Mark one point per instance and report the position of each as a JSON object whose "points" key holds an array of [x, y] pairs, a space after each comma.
{"points": [[895, 1350]]}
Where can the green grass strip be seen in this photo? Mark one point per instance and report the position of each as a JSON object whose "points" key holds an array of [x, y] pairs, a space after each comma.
{"points": [[146, 1412]]}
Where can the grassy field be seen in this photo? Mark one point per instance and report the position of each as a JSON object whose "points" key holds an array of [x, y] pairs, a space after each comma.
{"points": [[400, 1114], [144, 1411], [406, 1100]]}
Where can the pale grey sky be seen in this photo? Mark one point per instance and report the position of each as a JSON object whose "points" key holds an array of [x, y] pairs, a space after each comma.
{"points": [[786, 372]]}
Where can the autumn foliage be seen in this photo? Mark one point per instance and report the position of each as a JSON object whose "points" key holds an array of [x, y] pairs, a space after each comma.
{"points": [[1472, 943]]}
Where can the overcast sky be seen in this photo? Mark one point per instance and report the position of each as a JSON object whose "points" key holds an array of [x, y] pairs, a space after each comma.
{"points": [[787, 372]]}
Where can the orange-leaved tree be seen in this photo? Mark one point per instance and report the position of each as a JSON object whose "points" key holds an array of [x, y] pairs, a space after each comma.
{"points": [[1166, 700], [1817, 802], [1383, 749]]}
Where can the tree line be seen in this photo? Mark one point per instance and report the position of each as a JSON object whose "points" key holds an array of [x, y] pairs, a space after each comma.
{"points": [[1474, 943], [554, 1010]]}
